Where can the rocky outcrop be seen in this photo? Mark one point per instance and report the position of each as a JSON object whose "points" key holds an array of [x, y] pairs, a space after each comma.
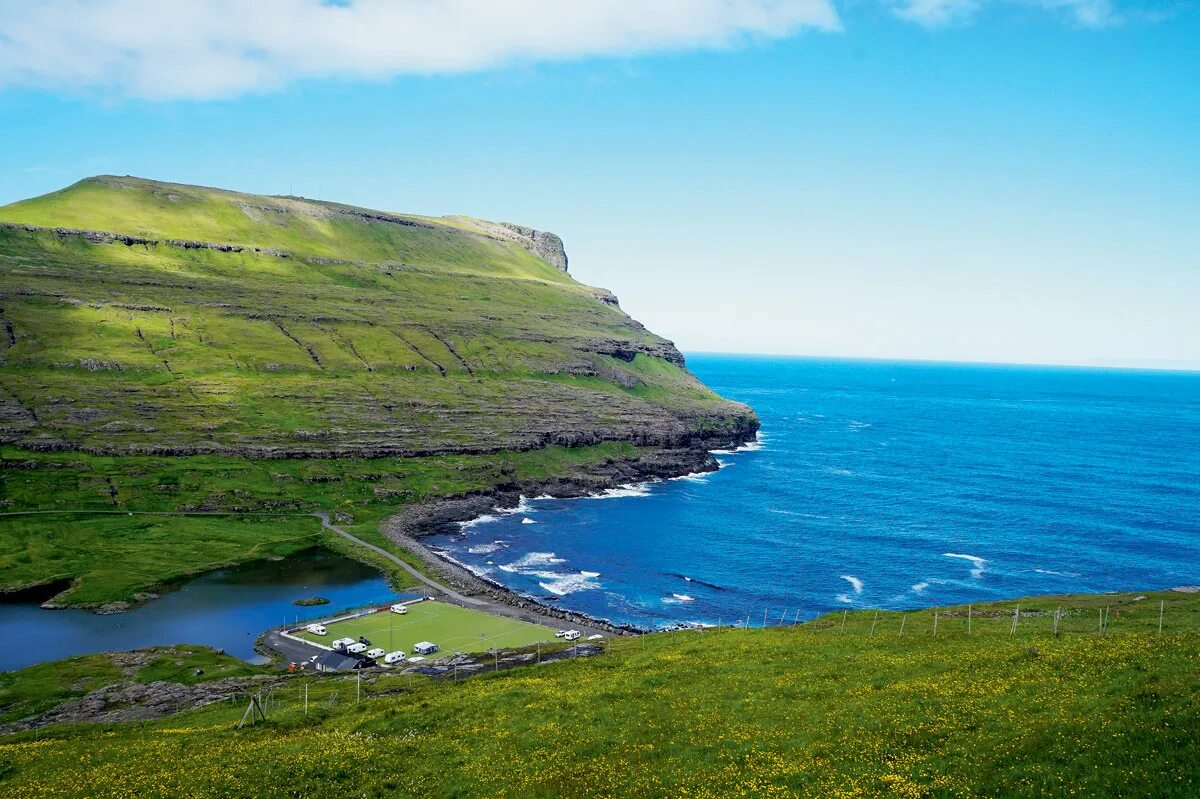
{"points": [[541, 243]]}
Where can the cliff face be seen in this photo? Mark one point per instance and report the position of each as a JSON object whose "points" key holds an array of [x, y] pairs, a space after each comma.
{"points": [[144, 317]]}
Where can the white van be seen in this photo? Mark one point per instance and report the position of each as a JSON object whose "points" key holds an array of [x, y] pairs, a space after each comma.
{"points": [[356, 648], [401, 609], [316, 629], [394, 657], [571, 635], [375, 653], [341, 644]]}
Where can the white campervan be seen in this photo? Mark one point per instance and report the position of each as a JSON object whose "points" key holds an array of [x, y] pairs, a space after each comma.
{"points": [[341, 643], [375, 653], [401, 609], [316, 629], [356, 648], [394, 657]]}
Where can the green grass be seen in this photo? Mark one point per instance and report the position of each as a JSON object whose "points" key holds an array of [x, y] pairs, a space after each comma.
{"points": [[34, 690], [452, 628], [811, 711], [113, 556]]}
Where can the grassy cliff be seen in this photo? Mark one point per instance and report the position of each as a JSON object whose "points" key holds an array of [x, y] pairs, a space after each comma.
{"points": [[152, 331]]}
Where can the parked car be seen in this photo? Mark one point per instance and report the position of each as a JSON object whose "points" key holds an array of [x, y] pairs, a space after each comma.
{"points": [[375, 653], [340, 644], [559, 633], [316, 629], [356, 648], [394, 657], [401, 609]]}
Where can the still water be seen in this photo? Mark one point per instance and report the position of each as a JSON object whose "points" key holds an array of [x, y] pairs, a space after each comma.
{"points": [[225, 609]]}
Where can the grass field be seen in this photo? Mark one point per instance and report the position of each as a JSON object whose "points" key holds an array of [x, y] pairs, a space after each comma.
{"points": [[452, 628], [815, 710]]}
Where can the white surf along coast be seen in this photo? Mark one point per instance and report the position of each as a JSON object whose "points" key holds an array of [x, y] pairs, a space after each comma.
{"points": [[546, 567]]}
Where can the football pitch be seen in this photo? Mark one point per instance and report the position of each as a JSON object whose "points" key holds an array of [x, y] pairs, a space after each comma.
{"points": [[452, 628]]}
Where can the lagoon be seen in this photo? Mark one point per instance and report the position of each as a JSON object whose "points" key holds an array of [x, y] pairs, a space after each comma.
{"points": [[225, 609]]}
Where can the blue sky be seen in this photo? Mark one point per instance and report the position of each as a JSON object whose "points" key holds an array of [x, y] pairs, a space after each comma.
{"points": [[1011, 182]]}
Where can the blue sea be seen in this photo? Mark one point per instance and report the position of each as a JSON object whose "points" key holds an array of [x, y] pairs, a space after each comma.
{"points": [[881, 485]]}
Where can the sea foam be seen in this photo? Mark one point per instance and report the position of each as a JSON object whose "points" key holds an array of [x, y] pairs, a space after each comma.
{"points": [[978, 563]]}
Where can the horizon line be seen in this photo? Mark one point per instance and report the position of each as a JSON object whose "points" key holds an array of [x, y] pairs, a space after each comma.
{"points": [[1184, 367]]}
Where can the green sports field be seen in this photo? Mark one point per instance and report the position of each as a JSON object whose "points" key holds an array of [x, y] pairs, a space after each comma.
{"points": [[452, 628]]}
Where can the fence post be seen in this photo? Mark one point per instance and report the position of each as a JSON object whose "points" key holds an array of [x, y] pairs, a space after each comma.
{"points": [[1100, 630], [764, 618], [935, 621], [1016, 616], [902, 620], [1160, 615], [1057, 616], [874, 620], [844, 612], [968, 619]]}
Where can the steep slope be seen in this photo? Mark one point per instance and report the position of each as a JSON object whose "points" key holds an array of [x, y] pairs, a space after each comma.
{"points": [[157, 318]]}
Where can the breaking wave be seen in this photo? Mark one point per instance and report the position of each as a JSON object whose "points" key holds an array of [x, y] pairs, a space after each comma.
{"points": [[978, 564]]}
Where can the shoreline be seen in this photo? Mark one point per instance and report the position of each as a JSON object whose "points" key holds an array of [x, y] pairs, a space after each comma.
{"points": [[407, 527]]}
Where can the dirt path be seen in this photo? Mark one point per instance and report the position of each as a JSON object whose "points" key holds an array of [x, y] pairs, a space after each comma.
{"points": [[457, 597]]}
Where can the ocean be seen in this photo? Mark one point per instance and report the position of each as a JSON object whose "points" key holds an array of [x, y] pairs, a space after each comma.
{"points": [[880, 485]]}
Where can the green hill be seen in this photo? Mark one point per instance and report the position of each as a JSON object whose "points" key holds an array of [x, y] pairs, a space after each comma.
{"points": [[153, 332], [874, 707]]}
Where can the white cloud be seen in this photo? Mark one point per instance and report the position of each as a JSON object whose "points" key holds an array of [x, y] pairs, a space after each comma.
{"points": [[940, 13], [163, 49]]}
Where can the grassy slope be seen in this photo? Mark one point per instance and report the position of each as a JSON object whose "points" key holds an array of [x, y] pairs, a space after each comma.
{"points": [[112, 557], [809, 710], [364, 364]]}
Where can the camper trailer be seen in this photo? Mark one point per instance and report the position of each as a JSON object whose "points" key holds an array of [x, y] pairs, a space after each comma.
{"points": [[375, 654], [425, 648], [356, 648], [391, 658]]}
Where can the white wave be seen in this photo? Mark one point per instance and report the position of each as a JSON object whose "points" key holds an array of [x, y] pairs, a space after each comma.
{"points": [[857, 425], [919, 587], [838, 471], [531, 561], [563, 584], [724, 464], [590, 574], [484, 519], [978, 563], [1056, 574], [693, 477], [631, 490], [487, 549], [677, 599], [749, 446], [522, 506], [478, 571], [855, 583], [528, 520], [845, 598]]}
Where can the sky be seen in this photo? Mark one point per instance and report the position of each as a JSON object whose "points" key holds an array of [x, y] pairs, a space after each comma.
{"points": [[974, 180]]}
